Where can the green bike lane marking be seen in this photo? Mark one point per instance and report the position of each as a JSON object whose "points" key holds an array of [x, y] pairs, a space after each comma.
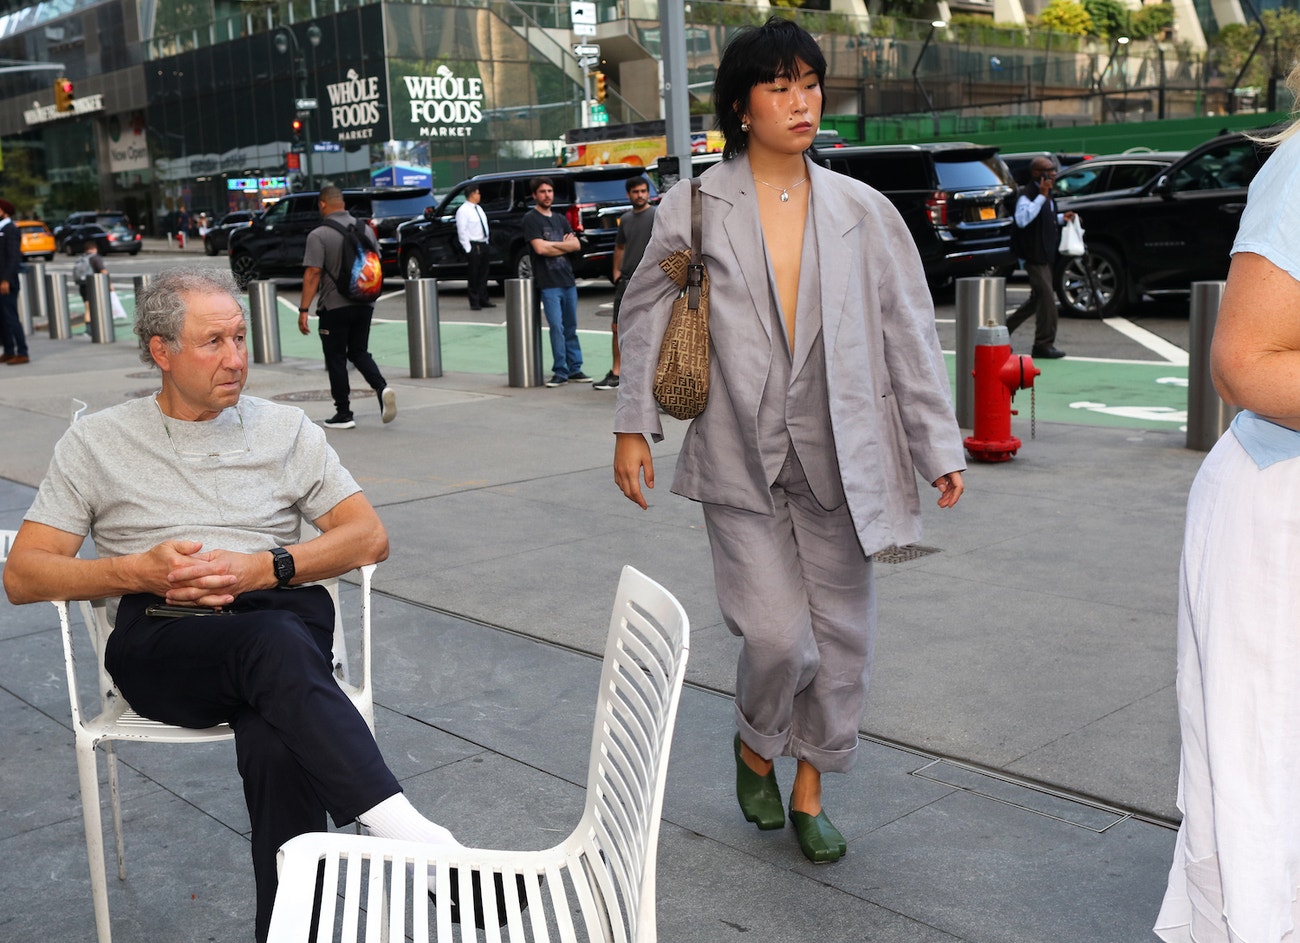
{"points": [[1127, 394]]}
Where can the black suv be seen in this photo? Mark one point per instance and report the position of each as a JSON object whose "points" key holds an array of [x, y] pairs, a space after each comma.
{"points": [[111, 231], [955, 199], [1175, 229], [273, 245], [591, 198]]}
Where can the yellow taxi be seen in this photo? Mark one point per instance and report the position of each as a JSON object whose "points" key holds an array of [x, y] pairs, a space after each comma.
{"points": [[38, 241]]}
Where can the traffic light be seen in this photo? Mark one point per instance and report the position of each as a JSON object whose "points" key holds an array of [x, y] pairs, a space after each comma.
{"points": [[62, 94], [600, 86], [297, 130]]}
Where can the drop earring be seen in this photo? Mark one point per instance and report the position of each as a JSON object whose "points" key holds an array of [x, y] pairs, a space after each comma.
{"points": [[744, 126]]}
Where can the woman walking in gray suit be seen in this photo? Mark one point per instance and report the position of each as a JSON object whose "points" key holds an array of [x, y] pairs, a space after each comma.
{"points": [[827, 389]]}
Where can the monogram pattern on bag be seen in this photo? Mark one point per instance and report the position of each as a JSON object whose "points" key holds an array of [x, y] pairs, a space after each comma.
{"points": [[681, 384]]}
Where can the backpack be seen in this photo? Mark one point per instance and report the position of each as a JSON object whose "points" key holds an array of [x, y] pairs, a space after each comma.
{"points": [[360, 276], [82, 271]]}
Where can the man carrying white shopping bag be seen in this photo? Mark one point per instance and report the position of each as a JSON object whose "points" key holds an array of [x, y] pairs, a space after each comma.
{"points": [[1036, 239]]}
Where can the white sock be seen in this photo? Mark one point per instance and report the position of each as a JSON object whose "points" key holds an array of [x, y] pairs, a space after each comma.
{"points": [[395, 817]]}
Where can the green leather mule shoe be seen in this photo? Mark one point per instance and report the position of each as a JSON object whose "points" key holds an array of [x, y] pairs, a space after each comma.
{"points": [[759, 796]]}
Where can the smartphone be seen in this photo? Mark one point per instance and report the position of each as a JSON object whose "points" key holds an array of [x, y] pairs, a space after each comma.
{"points": [[165, 610]]}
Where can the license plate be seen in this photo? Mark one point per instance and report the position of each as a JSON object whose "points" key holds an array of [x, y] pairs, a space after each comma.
{"points": [[988, 212]]}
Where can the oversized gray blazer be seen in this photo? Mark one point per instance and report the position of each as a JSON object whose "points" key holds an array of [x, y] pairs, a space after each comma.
{"points": [[888, 386]]}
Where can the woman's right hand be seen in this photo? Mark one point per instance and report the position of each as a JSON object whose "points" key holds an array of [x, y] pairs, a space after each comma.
{"points": [[631, 457]]}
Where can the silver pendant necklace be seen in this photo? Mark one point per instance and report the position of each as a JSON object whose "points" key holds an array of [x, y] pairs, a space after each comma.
{"points": [[785, 191]]}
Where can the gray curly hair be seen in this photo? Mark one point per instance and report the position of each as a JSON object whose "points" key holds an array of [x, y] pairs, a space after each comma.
{"points": [[160, 307]]}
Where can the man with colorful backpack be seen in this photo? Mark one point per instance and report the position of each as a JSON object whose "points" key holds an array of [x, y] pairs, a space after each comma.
{"points": [[343, 275]]}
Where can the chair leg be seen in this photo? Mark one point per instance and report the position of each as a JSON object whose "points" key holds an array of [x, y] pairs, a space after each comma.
{"points": [[115, 797], [88, 774]]}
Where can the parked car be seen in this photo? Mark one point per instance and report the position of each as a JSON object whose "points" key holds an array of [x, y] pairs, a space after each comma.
{"points": [[1018, 162], [37, 240], [272, 246], [591, 198], [1113, 172], [1173, 230], [217, 239], [112, 231], [954, 198]]}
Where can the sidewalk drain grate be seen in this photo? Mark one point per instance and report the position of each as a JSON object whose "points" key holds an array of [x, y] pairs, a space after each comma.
{"points": [[902, 554], [313, 396], [1028, 797]]}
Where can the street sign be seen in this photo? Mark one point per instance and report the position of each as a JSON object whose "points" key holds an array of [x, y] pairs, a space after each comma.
{"points": [[584, 50], [305, 104], [583, 16], [586, 63]]}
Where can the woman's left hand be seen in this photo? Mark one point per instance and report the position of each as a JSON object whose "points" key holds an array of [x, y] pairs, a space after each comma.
{"points": [[950, 488]]}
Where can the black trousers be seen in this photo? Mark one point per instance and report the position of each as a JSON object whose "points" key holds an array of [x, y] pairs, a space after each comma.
{"points": [[11, 325], [477, 263], [302, 748], [345, 335], [1041, 304]]}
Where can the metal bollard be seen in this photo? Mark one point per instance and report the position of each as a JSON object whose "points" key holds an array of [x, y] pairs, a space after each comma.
{"points": [[981, 302], [1208, 416], [141, 282], [37, 303], [264, 321], [99, 309], [523, 333], [423, 337], [56, 292], [24, 301]]}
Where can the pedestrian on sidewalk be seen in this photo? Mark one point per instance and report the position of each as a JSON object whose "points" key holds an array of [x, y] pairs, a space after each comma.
{"points": [[195, 498], [89, 263], [634, 229], [803, 459], [1036, 238], [343, 324], [472, 234], [12, 337], [550, 239], [1235, 876]]}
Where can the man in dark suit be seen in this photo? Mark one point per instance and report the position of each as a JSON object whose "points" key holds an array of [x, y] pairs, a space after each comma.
{"points": [[11, 259]]}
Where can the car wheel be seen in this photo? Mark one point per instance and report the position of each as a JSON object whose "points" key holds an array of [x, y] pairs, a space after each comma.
{"points": [[521, 266], [243, 268], [134, 252], [1093, 285], [413, 267], [67, 247], [208, 247]]}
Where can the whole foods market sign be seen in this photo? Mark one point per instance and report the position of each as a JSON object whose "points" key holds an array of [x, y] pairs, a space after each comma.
{"points": [[444, 104], [354, 107]]}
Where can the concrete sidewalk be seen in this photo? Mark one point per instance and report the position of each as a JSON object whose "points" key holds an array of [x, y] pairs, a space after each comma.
{"points": [[1020, 744]]}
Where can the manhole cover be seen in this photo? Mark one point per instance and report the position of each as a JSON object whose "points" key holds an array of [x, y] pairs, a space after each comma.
{"points": [[902, 554], [313, 396]]}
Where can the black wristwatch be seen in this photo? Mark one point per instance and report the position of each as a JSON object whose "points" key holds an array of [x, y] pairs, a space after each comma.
{"points": [[304, 310], [282, 566]]}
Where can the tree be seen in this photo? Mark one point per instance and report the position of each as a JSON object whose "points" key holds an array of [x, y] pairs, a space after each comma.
{"points": [[1234, 42], [22, 187], [1151, 21], [1066, 16], [1109, 18]]}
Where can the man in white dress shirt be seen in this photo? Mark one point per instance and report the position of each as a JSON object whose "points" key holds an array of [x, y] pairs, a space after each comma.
{"points": [[472, 232]]}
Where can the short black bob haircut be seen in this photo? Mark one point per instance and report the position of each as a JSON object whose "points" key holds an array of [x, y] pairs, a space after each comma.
{"points": [[757, 55]]}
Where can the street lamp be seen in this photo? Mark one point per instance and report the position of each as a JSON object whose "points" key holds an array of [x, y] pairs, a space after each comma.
{"points": [[935, 26], [286, 40], [1120, 43]]}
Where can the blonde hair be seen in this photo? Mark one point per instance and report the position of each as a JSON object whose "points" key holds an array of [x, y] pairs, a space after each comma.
{"points": [[1292, 83]]}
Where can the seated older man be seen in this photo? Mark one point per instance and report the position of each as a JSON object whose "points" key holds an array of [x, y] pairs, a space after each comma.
{"points": [[195, 499]]}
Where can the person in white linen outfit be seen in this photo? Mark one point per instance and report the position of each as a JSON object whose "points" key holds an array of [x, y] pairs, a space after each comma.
{"points": [[1236, 865]]}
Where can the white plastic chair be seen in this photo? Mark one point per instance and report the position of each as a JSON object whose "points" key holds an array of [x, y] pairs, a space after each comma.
{"points": [[117, 721], [604, 870]]}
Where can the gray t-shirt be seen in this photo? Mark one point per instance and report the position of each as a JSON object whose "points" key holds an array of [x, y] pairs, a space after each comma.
{"points": [[634, 235], [325, 252], [243, 481]]}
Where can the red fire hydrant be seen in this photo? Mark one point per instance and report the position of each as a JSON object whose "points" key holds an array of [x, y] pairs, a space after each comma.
{"points": [[998, 374]]}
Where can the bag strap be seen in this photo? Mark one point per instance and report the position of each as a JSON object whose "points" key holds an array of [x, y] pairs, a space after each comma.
{"points": [[695, 271]]}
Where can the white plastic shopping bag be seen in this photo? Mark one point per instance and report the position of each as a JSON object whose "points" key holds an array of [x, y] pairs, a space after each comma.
{"points": [[119, 312], [1072, 238]]}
